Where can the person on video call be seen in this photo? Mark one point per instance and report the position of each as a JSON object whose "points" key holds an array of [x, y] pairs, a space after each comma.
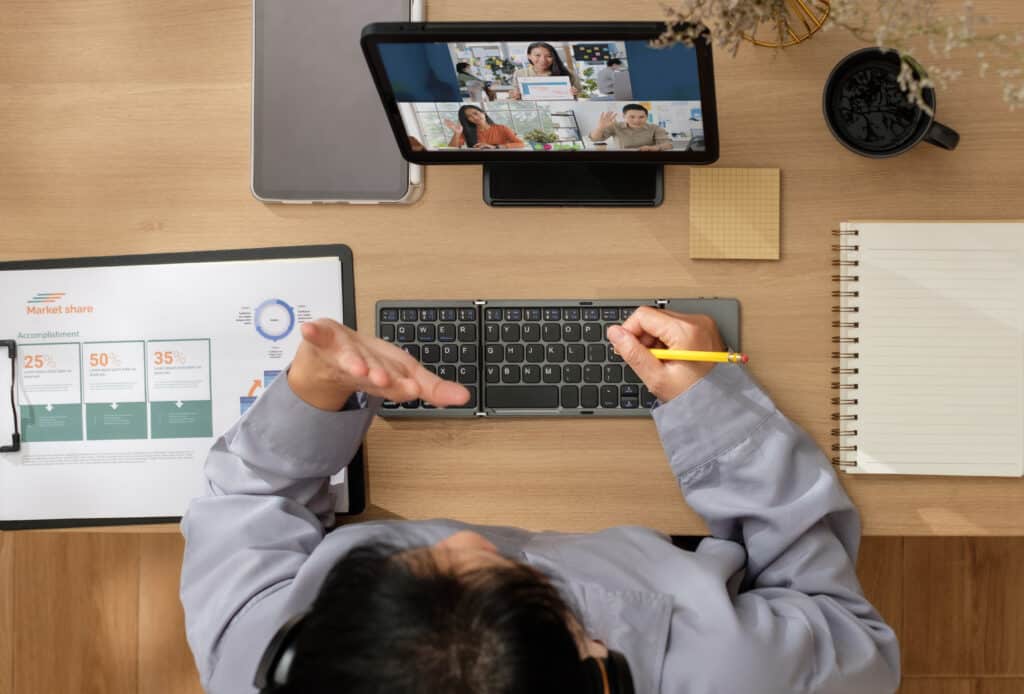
{"points": [[476, 130], [471, 83], [606, 77], [633, 131], [768, 604], [544, 62]]}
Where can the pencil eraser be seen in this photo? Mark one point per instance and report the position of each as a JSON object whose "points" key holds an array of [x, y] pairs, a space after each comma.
{"points": [[744, 359]]}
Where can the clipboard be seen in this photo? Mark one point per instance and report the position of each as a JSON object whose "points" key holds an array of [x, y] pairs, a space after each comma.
{"points": [[355, 472]]}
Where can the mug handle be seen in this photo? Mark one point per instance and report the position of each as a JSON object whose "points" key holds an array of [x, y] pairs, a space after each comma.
{"points": [[942, 136]]}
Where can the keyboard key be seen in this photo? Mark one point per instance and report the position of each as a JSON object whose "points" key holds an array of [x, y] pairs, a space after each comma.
{"points": [[390, 405], [446, 332], [510, 373], [552, 373], [467, 374], [625, 313], [467, 313], [570, 314], [647, 398], [467, 332], [609, 396], [531, 373], [467, 354], [630, 391], [531, 332], [514, 353], [492, 333], [556, 353], [613, 356], [448, 314], [387, 333], [431, 354], [389, 314], [570, 396], [595, 353], [588, 397], [447, 372], [449, 354], [408, 314], [510, 332], [425, 332], [428, 314], [531, 314], [631, 376], [514, 314], [591, 314], [630, 403], [552, 332], [492, 373], [577, 354], [612, 373], [552, 314], [522, 397], [471, 403], [592, 332], [571, 332], [431, 369], [592, 373], [572, 373], [609, 313], [535, 353], [414, 350], [493, 354], [492, 314], [406, 332], [411, 404]]}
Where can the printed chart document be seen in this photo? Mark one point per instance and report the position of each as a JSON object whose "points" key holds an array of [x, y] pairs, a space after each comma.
{"points": [[126, 374], [545, 88]]}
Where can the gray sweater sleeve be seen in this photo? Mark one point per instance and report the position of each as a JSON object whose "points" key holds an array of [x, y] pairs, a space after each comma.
{"points": [[265, 509], [759, 480]]}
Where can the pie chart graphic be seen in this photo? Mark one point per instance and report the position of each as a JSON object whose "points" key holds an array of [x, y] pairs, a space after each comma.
{"points": [[274, 319]]}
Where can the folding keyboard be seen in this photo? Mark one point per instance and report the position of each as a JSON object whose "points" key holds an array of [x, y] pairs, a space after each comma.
{"points": [[519, 357]]}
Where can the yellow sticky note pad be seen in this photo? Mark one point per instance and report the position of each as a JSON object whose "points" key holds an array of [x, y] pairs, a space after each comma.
{"points": [[734, 213]]}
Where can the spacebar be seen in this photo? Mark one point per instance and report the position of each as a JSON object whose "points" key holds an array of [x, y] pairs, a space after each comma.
{"points": [[522, 397]]}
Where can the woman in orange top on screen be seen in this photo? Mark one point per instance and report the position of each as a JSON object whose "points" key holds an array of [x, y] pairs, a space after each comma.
{"points": [[476, 130]]}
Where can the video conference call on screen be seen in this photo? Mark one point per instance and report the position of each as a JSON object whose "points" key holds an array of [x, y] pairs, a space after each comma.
{"points": [[547, 95]]}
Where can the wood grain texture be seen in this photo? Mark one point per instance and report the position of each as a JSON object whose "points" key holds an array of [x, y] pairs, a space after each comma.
{"points": [[987, 685], [76, 613], [126, 130], [7, 623], [881, 574], [166, 665], [963, 611]]}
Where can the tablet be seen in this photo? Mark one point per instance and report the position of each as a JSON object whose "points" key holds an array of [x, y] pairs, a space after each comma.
{"points": [[557, 91], [318, 131]]}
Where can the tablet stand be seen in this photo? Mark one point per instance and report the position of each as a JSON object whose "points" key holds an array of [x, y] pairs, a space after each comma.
{"points": [[559, 184]]}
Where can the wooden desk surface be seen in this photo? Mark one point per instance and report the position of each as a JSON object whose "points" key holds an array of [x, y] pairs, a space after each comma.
{"points": [[124, 128]]}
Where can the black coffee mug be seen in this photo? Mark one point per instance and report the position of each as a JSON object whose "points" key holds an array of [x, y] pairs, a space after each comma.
{"points": [[868, 112]]}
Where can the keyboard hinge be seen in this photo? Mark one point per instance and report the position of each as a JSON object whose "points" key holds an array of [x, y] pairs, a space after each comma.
{"points": [[479, 302], [661, 303], [480, 414]]}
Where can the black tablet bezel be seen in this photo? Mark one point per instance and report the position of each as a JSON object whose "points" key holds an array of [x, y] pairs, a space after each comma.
{"points": [[418, 32]]}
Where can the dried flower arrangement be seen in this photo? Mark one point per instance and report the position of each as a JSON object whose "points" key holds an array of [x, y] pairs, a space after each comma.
{"points": [[904, 26]]}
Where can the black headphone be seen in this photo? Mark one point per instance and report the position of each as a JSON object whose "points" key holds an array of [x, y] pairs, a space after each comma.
{"points": [[609, 675]]}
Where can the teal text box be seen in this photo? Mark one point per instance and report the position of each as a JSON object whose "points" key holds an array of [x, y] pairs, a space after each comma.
{"points": [[104, 423], [60, 423], [194, 418]]}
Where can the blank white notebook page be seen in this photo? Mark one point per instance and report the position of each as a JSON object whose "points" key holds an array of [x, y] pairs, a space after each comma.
{"points": [[940, 382]]}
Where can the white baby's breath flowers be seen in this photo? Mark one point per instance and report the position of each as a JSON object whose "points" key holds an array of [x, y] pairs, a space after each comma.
{"points": [[908, 27]]}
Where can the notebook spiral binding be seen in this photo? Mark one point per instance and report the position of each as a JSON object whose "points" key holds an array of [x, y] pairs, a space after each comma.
{"points": [[845, 339]]}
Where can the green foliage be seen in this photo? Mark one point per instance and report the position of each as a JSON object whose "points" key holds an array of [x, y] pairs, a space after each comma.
{"points": [[540, 136]]}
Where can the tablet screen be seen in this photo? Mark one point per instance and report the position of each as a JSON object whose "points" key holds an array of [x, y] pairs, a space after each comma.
{"points": [[472, 97]]}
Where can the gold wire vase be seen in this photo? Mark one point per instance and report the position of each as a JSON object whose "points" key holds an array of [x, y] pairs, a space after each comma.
{"points": [[799, 21]]}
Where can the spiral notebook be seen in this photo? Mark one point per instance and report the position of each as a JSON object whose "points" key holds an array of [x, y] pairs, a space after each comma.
{"points": [[929, 360]]}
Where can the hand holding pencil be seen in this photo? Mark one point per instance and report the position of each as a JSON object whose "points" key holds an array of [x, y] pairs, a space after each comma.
{"points": [[653, 329]]}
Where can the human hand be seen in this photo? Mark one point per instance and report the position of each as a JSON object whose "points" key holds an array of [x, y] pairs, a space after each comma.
{"points": [[647, 148], [333, 362], [575, 91], [606, 118], [484, 145], [515, 94], [649, 327], [453, 126]]}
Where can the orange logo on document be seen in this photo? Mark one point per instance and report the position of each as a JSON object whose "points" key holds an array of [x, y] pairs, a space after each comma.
{"points": [[49, 304]]}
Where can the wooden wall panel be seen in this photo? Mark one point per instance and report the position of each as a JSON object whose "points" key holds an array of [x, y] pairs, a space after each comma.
{"points": [[6, 613]]}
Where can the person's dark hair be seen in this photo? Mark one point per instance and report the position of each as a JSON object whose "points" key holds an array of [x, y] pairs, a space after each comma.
{"points": [[461, 67], [385, 624], [557, 66], [468, 129], [634, 107], [613, 61]]}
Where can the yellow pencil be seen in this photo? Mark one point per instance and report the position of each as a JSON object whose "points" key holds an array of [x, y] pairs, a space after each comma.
{"points": [[690, 355]]}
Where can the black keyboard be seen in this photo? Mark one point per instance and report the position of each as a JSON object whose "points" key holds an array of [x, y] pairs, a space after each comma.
{"points": [[527, 357]]}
